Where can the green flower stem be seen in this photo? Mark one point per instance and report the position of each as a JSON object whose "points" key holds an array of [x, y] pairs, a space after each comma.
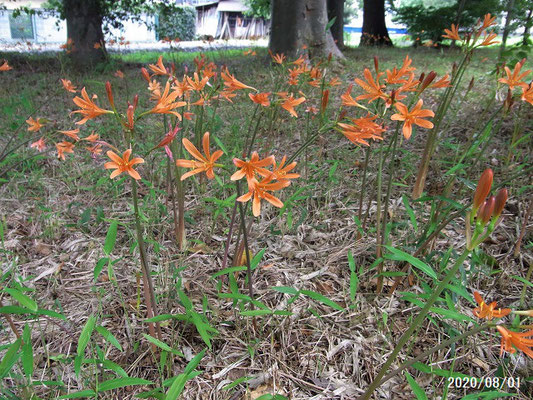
{"points": [[415, 325], [148, 286]]}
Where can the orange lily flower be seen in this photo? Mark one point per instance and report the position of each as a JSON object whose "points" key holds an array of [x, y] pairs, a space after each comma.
{"points": [[396, 75], [64, 147], [259, 191], [182, 87], [72, 134], [119, 74], [249, 52], [260, 98], [372, 88], [169, 137], [97, 45], [204, 164], [515, 78], [441, 83], [95, 150], [334, 81], [88, 108], [362, 129], [453, 33], [277, 58], [69, 87], [413, 117], [93, 137], [347, 99], [488, 311], [39, 145], [248, 169], [527, 93], [232, 83], [34, 125], [158, 68], [5, 66], [166, 103], [290, 102], [489, 39], [488, 21], [281, 171], [196, 83], [299, 61], [155, 88], [226, 94], [122, 164], [516, 339]]}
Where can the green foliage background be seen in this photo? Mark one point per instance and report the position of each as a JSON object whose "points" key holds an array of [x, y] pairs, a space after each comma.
{"points": [[177, 22]]}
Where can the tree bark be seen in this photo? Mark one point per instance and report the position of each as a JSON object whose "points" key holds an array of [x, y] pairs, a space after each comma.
{"points": [[509, 17], [84, 30], [374, 28], [336, 10], [527, 28], [296, 23]]}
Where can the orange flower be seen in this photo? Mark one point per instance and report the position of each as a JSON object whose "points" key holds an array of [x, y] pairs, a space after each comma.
{"points": [[64, 147], [166, 103], [281, 171], [299, 61], [196, 83], [182, 87], [442, 82], [155, 88], [277, 58], [453, 33], [415, 116], [39, 145], [231, 83], [5, 66], [34, 125], [527, 93], [93, 137], [290, 102], [204, 164], [334, 81], [158, 68], [259, 191], [488, 311], [516, 339], [488, 21], [362, 129], [260, 98], [97, 45], [72, 134], [95, 150], [250, 52], [489, 39], [371, 87], [396, 75], [69, 87], [347, 99], [88, 108], [248, 169], [515, 78], [119, 74], [169, 137], [122, 164]]}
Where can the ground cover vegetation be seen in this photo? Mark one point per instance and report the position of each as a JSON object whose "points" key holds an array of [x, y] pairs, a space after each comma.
{"points": [[246, 225]]}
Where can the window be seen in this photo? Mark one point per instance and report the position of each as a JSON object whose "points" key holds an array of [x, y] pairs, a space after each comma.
{"points": [[21, 26]]}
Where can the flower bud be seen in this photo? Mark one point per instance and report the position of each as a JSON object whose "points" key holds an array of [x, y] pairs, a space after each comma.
{"points": [[109, 94], [508, 103], [454, 68], [130, 115], [135, 101], [376, 64], [325, 100], [422, 76], [501, 199], [483, 189], [471, 84], [427, 81], [330, 56], [485, 212], [145, 74]]}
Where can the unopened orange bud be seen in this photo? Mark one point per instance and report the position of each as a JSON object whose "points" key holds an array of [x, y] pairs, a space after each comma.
{"points": [[508, 103], [330, 56], [430, 78], [325, 100], [483, 189], [392, 96], [471, 84], [422, 76], [376, 64], [486, 211], [501, 199], [109, 94], [454, 68], [135, 101], [130, 115], [145, 74], [343, 114]]}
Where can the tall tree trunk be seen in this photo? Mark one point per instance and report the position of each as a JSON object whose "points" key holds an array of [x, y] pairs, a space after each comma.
{"points": [[527, 28], [336, 10], [84, 30], [506, 28], [374, 28], [296, 23]]}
